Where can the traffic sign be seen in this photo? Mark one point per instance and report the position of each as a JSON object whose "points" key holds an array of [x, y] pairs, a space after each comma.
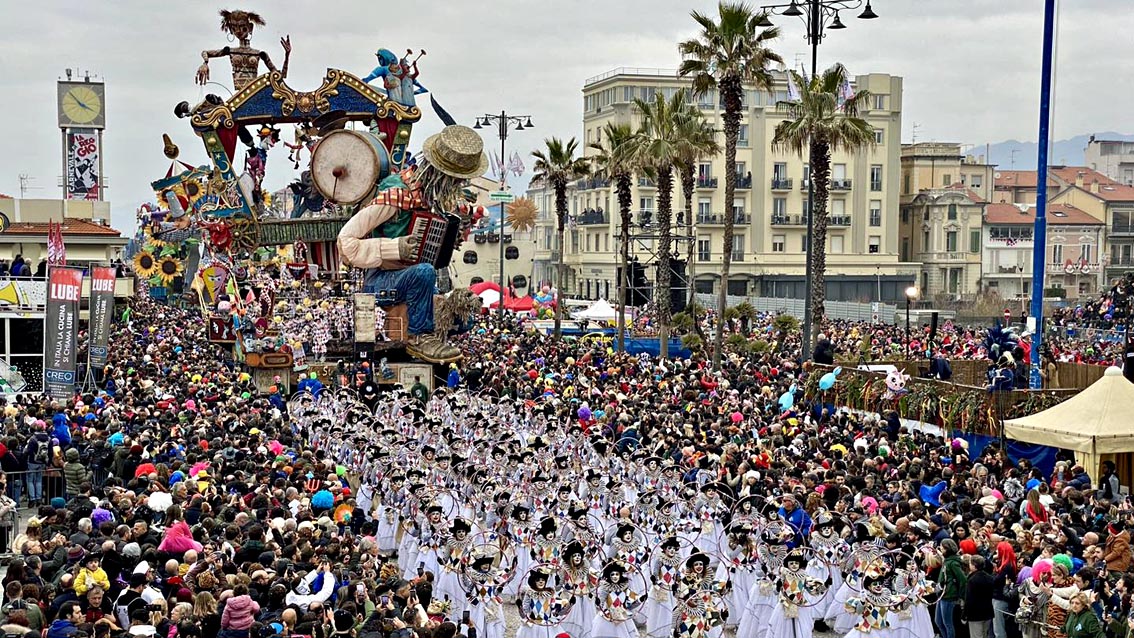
{"points": [[502, 196]]}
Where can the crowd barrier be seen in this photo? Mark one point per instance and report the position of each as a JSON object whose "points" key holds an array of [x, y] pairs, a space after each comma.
{"points": [[973, 372]]}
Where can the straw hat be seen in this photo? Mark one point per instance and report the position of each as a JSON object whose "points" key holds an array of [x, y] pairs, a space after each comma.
{"points": [[456, 151]]}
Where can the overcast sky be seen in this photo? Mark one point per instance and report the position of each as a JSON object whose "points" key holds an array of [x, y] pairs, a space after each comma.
{"points": [[971, 67]]}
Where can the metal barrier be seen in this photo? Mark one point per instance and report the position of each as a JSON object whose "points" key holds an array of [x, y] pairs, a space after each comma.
{"points": [[38, 485]]}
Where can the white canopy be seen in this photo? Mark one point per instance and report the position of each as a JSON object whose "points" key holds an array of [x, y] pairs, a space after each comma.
{"points": [[1093, 423], [599, 311]]}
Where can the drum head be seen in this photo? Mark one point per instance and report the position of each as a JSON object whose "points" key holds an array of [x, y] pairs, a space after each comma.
{"points": [[346, 165]]}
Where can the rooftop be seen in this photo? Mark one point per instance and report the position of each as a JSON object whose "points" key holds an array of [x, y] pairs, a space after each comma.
{"points": [[1057, 214], [74, 227], [632, 70]]}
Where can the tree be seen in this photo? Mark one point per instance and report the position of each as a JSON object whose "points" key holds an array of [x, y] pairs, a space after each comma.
{"points": [[818, 123], [656, 151], [747, 314], [557, 166], [696, 138], [616, 159], [727, 55]]}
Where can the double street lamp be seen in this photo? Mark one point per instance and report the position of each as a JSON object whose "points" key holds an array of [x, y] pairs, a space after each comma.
{"points": [[818, 16], [503, 121]]}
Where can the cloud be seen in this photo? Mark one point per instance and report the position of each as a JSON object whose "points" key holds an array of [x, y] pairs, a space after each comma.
{"points": [[971, 67]]}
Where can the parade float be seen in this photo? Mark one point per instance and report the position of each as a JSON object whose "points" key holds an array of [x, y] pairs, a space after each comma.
{"points": [[268, 278]]}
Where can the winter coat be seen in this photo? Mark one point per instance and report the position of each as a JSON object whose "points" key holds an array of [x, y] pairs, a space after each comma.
{"points": [[1117, 554], [74, 473], [239, 612], [61, 429], [978, 597], [61, 629]]}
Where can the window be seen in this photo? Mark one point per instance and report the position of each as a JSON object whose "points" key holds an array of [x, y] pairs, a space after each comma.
{"points": [[838, 207], [646, 203], [738, 287], [974, 241], [875, 212], [476, 280], [738, 209], [876, 177], [587, 242], [738, 248], [779, 207], [469, 257], [742, 135], [806, 174], [703, 286], [875, 244], [511, 252], [925, 241], [839, 172], [879, 102], [905, 249], [1057, 254], [704, 207], [703, 244], [1085, 252], [837, 244], [976, 180], [878, 136], [803, 243], [946, 180], [704, 170], [905, 215], [741, 171], [779, 171], [952, 212], [951, 241], [778, 243]]}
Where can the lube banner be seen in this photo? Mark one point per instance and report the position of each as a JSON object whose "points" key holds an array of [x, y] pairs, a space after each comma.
{"points": [[64, 289], [102, 308]]}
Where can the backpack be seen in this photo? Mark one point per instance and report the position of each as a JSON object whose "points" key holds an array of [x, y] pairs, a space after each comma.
{"points": [[42, 454]]}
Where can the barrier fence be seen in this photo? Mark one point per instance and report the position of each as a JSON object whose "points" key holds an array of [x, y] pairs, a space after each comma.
{"points": [[973, 372]]}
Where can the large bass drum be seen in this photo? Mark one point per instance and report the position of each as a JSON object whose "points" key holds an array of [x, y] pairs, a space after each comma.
{"points": [[346, 166]]}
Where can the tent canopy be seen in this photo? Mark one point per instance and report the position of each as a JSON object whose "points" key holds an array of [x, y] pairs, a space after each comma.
{"points": [[1093, 423], [600, 310]]}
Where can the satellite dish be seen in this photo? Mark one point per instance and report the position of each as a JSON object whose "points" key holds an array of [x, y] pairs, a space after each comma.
{"points": [[996, 175]]}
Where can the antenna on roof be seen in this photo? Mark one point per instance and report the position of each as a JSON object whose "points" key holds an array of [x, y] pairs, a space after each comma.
{"points": [[1012, 158], [916, 126], [25, 184]]}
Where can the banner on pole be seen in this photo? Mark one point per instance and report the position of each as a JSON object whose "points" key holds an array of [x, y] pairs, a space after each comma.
{"points": [[83, 180], [102, 309], [64, 289]]}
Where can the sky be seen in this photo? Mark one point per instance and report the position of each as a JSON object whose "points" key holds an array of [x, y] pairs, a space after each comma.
{"points": [[971, 67]]}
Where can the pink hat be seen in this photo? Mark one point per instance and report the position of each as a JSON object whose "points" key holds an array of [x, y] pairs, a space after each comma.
{"points": [[870, 504]]}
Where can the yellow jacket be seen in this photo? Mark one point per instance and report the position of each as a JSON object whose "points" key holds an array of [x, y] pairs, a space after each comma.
{"points": [[87, 579]]}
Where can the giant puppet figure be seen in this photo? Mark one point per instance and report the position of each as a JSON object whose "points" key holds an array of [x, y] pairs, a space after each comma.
{"points": [[244, 59], [448, 161]]}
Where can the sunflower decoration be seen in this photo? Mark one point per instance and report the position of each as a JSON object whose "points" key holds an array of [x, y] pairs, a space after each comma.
{"points": [[168, 268], [522, 214], [145, 264]]}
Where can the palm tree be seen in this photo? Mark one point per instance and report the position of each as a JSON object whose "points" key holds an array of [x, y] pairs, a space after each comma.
{"points": [[696, 138], [728, 54], [656, 152], [616, 159], [819, 123], [557, 167]]}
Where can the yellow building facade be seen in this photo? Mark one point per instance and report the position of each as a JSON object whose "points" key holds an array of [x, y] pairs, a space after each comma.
{"points": [[769, 204]]}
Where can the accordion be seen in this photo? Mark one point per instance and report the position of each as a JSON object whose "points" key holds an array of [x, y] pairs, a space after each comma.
{"points": [[437, 237]]}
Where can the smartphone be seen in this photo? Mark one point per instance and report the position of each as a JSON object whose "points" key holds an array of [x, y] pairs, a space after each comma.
{"points": [[421, 568], [471, 633], [385, 600], [465, 617]]}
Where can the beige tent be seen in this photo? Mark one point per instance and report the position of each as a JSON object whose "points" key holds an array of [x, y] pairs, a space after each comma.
{"points": [[1096, 424]]}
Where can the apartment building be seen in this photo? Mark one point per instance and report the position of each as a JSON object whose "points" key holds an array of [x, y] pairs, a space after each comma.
{"points": [[1092, 192], [1073, 262], [769, 205], [1113, 158], [943, 198]]}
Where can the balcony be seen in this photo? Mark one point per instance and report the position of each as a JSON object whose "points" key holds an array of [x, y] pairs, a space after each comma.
{"points": [[804, 183], [875, 187], [840, 184], [947, 256], [781, 184], [839, 220], [742, 219], [718, 219], [789, 220], [593, 183], [744, 181], [1117, 228], [591, 217], [645, 182], [707, 182], [1075, 268]]}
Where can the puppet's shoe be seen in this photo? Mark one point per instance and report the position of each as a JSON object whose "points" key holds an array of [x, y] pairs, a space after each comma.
{"points": [[433, 349]]}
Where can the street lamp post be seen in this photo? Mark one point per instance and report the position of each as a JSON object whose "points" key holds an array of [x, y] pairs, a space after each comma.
{"points": [[502, 122], [817, 16], [911, 294]]}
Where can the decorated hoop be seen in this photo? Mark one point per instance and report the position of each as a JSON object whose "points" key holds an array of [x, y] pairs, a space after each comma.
{"points": [[617, 600], [546, 606], [488, 560]]}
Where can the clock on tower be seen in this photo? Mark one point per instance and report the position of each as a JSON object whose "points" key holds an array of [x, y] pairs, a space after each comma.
{"points": [[82, 105]]}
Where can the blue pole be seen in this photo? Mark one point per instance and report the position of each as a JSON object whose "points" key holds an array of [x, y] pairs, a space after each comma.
{"points": [[1039, 250]]}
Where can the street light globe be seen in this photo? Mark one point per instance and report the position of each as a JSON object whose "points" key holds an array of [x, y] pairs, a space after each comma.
{"points": [[911, 292]]}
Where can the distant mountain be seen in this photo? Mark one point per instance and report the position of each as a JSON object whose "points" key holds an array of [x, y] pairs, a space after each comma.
{"points": [[1067, 152]]}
